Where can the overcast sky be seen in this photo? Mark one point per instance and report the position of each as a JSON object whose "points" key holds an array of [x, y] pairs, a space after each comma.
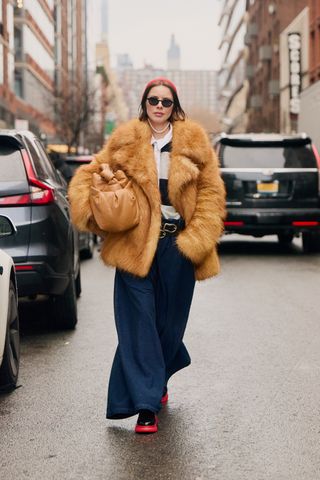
{"points": [[143, 28]]}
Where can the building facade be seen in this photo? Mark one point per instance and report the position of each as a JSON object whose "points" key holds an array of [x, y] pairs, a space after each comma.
{"points": [[71, 64], [27, 57], [308, 120], [42, 51], [314, 37], [233, 86], [266, 21], [294, 70]]}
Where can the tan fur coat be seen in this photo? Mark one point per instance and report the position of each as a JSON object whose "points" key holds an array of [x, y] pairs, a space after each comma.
{"points": [[195, 190]]}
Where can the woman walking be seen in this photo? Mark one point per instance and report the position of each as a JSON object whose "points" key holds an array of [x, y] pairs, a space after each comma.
{"points": [[176, 180]]}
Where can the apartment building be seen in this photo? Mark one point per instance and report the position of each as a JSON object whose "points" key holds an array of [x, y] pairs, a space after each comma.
{"points": [[294, 70], [42, 50], [308, 120], [27, 57], [314, 39], [233, 86], [266, 21]]}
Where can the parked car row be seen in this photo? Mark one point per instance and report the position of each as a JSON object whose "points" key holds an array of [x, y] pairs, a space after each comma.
{"points": [[39, 246], [272, 184]]}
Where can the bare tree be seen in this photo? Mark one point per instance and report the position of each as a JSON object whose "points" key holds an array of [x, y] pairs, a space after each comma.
{"points": [[73, 108]]}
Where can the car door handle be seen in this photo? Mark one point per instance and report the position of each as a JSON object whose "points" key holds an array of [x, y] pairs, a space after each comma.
{"points": [[1, 270]]}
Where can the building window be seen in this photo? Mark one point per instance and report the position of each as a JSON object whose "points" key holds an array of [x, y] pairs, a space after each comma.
{"points": [[1, 64], [18, 83], [17, 44]]}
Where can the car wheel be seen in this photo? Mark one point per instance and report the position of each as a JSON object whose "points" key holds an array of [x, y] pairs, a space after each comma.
{"points": [[64, 307], [87, 252], [285, 238], [11, 356], [78, 284], [311, 242]]}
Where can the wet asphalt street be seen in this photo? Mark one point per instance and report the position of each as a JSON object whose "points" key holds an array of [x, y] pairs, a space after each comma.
{"points": [[247, 408]]}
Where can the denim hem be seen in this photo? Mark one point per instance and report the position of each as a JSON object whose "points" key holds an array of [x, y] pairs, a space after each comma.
{"points": [[121, 413]]}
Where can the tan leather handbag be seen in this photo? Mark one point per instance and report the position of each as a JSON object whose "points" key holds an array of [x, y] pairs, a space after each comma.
{"points": [[113, 202]]}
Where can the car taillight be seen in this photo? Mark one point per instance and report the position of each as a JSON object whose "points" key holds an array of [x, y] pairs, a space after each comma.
{"points": [[305, 223], [233, 224], [23, 267], [15, 200], [41, 193]]}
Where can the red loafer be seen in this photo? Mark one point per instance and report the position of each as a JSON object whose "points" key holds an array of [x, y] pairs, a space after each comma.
{"points": [[147, 422], [165, 398]]}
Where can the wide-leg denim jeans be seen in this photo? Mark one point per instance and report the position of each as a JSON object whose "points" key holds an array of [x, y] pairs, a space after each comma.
{"points": [[151, 314]]}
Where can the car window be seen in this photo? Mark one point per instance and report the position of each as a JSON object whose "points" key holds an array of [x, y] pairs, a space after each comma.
{"points": [[39, 165], [51, 172], [13, 177], [267, 157], [11, 165]]}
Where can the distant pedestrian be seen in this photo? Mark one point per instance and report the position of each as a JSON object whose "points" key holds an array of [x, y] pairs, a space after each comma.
{"points": [[181, 197]]}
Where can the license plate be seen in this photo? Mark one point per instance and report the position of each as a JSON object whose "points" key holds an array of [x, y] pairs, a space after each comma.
{"points": [[268, 187]]}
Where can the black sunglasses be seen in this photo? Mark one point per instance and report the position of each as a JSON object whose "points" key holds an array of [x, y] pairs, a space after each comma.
{"points": [[165, 102]]}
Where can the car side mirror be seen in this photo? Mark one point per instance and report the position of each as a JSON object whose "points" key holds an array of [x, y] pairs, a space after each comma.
{"points": [[7, 228]]}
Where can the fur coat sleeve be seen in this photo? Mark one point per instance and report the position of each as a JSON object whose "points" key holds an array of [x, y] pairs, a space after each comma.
{"points": [[79, 190], [205, 227]]}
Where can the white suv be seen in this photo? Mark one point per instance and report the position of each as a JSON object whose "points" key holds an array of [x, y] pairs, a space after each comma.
{"points": [[9, 319]]}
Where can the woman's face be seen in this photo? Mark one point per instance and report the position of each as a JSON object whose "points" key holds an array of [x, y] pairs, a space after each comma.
{"points": [[158, 114]]}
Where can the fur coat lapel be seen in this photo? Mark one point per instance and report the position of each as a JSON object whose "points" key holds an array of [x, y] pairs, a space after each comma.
{"points": [[130, 150]]}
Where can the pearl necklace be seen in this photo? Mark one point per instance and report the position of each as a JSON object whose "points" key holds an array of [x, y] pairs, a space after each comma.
{"points": [[158, 131]]}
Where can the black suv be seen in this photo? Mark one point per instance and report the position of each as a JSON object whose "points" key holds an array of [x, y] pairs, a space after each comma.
{"points": [[272, 184], [45, 249]]}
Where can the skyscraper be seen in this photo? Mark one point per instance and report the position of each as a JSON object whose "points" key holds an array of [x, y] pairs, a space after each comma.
{"points": [[173, 55], [104, 20]]}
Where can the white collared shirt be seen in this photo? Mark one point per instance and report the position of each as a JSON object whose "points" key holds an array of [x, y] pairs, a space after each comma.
{"points": [[158, 143], [163, 161]]}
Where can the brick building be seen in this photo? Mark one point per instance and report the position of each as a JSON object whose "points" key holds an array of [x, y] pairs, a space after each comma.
{"points": [[266, 20], [310, 96], [42, 49], [233, 86], [314, 49], [27, 62]]}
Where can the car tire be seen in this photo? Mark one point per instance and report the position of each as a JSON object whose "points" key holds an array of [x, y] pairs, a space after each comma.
{"points": [[78, 284], [87, 253], [64, 307], [311, 242], [9, 369], [285, 238]]}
